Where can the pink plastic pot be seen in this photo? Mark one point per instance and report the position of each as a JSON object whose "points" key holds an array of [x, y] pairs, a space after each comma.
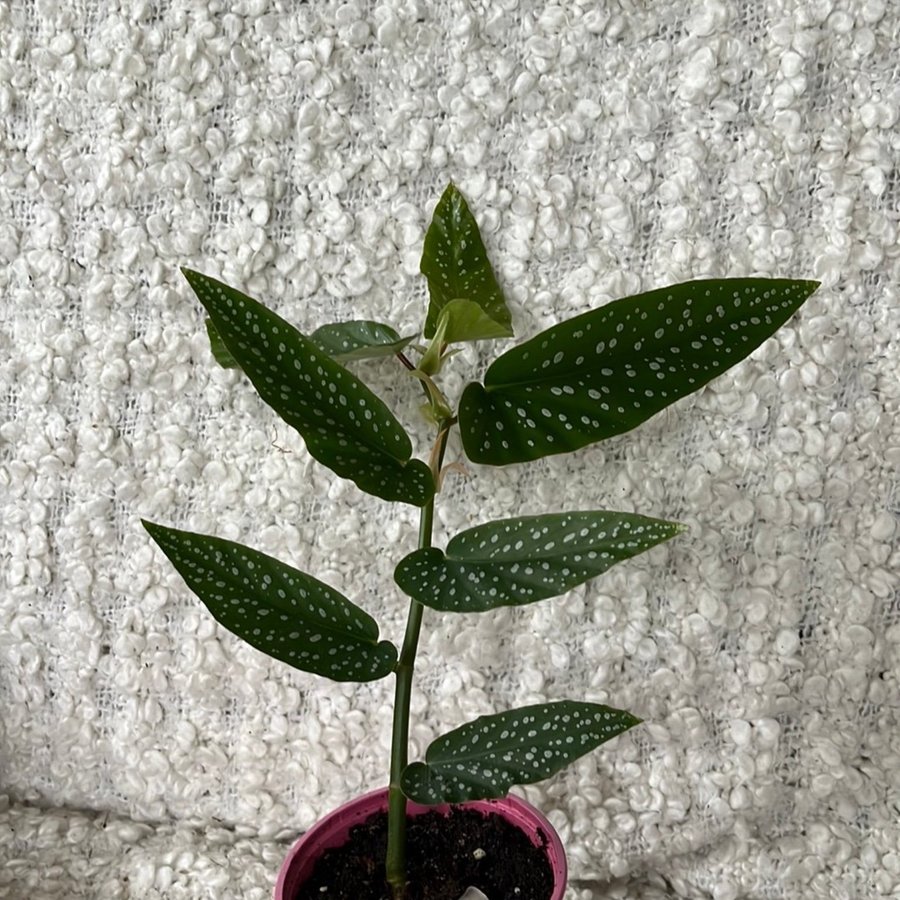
{"points": [[333, 830]]}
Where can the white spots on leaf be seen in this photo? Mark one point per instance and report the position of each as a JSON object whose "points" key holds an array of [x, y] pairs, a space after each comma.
{"points": [[515, 747], [240, 586], [300, 379], [516, 561], [672, 342]]}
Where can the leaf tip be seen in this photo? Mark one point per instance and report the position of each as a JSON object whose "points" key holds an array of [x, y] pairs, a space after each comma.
{"points": [[158, 533], [805, 286]]}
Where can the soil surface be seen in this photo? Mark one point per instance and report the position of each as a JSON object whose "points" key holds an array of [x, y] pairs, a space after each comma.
{"points": [[445, 855]]}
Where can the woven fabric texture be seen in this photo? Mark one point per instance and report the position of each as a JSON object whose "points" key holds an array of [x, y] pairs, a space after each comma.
{"points": [[296, 150]]}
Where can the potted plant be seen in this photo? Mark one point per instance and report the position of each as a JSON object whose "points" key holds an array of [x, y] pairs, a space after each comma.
{"points": [[583, 380]]}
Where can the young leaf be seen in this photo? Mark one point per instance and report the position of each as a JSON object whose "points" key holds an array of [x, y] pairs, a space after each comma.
{"points": [[219, 350], [523, 560], [345, 426], [359, 339], [608, 370], [433, 358], [484, 758], [285, 613], [456, 265], [467, 321]]}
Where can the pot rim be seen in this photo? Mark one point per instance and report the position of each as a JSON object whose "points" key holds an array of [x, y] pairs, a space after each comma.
{"points": [[331, 830]]}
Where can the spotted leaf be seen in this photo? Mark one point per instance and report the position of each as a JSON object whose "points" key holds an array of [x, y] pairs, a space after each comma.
{"points": [[606, 371], [345, 426], [358, 339], [456, 265], [285, 613], [523, 560], [484, 758]]}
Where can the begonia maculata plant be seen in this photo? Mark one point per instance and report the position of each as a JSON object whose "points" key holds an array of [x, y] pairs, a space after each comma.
{"points": [[581, 381]]}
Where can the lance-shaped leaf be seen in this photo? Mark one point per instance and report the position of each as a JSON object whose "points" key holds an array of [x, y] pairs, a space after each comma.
{"points": [[345, 426], [606, 371], [358, 339], [286, 613], [484, 758], [456, 265], [526, 559]]}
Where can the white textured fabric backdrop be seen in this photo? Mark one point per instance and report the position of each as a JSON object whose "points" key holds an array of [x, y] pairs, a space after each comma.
{"points": [[296, 151]]}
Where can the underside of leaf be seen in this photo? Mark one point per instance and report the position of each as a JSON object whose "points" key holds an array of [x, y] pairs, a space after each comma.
{"points": [[220, 352], [467, 321]]}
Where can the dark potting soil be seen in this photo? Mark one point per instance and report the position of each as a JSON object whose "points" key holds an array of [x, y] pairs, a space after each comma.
{"points": [[445, 855]]}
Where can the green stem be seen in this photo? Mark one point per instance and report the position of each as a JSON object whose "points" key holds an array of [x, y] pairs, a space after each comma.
{"points": [[396, 846]]}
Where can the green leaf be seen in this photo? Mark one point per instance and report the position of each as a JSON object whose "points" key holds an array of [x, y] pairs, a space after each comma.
{"points": [[358, 339], [286, 613], [467, 321], [526, 559], [219, 350], [433, 359], [606, 371], [456, 265], [345, 426], [484, 758], [342, 341]]}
